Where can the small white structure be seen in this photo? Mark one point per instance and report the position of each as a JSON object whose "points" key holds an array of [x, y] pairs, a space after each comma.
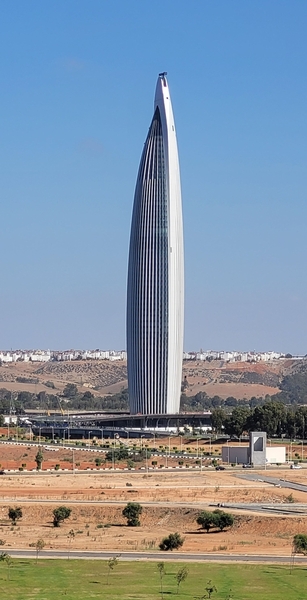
{"points": [[256, 453], [275, 454]]}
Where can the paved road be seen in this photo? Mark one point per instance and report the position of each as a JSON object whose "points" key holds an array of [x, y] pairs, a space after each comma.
{"points": [[158, 556], [300, 487], [279, 508], [282, 509]]}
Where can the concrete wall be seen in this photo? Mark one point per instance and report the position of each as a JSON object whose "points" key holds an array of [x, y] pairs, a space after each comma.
{"points": [[235, 454], [257, 444], [259, 454]]}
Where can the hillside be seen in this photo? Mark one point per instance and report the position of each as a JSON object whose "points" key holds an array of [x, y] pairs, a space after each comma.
{"points": [[241, 380]]}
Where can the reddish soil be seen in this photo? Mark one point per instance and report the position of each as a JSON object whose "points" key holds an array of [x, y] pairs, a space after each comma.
{"points": [[171, 502]]}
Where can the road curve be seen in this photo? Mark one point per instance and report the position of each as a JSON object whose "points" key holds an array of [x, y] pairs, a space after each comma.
{"points": [[158, 556]]}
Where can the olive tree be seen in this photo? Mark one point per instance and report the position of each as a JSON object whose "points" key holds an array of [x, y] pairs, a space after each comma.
{"points": [[60, 514], [300, 544], [15, 514], [132, 512], [172, 542]]}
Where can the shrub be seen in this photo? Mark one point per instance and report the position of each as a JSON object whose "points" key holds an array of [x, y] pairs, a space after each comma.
{"points": [[300, 543], [117, 454], [132, 512], [15, 514], [171, 542], [39, 459]]}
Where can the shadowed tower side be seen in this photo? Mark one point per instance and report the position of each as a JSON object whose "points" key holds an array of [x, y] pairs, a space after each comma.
{"points": [[155, 271]]}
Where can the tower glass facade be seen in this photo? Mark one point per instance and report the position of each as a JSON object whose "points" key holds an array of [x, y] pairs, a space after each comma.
{"points": [[155, 271]]}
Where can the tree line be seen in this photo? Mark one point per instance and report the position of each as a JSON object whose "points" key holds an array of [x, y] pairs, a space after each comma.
{"points": [[70, 399], [273, 417], [293, 392]]}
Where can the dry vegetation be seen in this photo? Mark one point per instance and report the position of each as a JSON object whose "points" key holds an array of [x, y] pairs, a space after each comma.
{"points": [[171, 501], [241, 380]]}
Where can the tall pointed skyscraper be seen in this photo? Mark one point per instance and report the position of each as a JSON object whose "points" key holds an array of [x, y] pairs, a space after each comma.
{"points": [[155, 272]]}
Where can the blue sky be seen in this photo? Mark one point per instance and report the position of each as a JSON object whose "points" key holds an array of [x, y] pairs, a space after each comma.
{"points": [[77, 87]]}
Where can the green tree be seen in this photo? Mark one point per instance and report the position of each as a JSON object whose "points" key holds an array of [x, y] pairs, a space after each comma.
{"points": [[5, 557], [112, 563], [71, 536], [39, 459], [70, 390], [60, 514], [132, 512], [15, 514], [181, 576], [218, 417], [39, 546], [171, 542], [300, 544], [218, 518], [161, 569], [223, 519], [269, 417], [206, 520], [237, 422], [210, 588]]}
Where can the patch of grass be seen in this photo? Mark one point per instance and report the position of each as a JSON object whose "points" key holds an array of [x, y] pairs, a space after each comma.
{"points": [[74, 579]]}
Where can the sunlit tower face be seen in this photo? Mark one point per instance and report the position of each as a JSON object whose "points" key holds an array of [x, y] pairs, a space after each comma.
{"points": [[155, 271]]}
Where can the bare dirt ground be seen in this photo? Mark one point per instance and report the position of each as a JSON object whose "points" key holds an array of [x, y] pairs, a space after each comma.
{"points": [[171, 502], [22, 457]]}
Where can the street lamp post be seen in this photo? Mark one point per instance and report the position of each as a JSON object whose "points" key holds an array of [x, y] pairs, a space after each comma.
{"points": [[113, 455]]}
